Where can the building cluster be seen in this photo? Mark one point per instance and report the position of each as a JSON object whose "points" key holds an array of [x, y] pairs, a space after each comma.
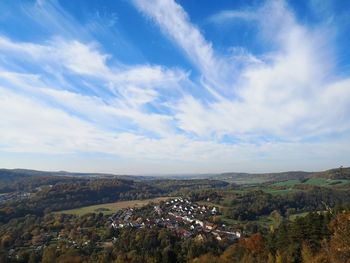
{"points": [[180, 215], [13, 196], [19, 195]]}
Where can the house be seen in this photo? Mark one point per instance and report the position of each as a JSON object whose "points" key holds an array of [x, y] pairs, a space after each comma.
{"points": [[238, 234], [217, 235], [198, 222], [210, 226]]}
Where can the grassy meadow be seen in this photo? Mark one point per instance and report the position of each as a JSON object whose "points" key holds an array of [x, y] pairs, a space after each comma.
{"points": [[110, 208]]}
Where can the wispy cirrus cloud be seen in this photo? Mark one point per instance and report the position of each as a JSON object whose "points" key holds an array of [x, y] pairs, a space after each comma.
{"points": [[71, 96], [122, 91], [275, 93], [175, 24], [227, 16]]}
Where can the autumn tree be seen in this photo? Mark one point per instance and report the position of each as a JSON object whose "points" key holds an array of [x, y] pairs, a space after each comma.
{"points": [[340, 240]]}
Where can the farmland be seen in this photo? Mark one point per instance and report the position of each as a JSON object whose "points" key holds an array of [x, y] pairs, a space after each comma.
{"points": [[312, 181], [110, 208]]}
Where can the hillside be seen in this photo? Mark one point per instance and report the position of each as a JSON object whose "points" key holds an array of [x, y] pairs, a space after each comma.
{"points": [[257, 178], [24, 176], [25, 179], [19, 173], [338, 173]]}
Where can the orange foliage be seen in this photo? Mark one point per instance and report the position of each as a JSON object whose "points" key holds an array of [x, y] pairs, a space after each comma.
{"points": [[254, 244]]}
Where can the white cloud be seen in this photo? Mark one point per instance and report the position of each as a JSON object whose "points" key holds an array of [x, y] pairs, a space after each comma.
{"points": [[229, 15], [87, 59], [68, 96], [130, 87], [29, 126], [80, 58], [175, 23], [286, 95]]}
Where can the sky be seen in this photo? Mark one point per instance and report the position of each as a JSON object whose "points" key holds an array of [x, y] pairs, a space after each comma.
{"points": [[170, 87]]}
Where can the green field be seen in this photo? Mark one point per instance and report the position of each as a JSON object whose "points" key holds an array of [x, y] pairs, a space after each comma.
{"points": [[289, 183], [325, 182], [312, 181], [111, 208], [263, 221]]}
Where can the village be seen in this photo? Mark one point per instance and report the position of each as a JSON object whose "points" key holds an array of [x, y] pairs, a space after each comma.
{"points": [[13, 196], [185, 218]]}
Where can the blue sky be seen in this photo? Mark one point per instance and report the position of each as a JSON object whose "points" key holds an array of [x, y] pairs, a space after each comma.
{"points": [[163, 86]]}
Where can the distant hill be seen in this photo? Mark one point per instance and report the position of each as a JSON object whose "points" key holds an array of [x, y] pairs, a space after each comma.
{"points": [[10, 174], [257, 178], [27, 180], [24, 175], [337, 173]]}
